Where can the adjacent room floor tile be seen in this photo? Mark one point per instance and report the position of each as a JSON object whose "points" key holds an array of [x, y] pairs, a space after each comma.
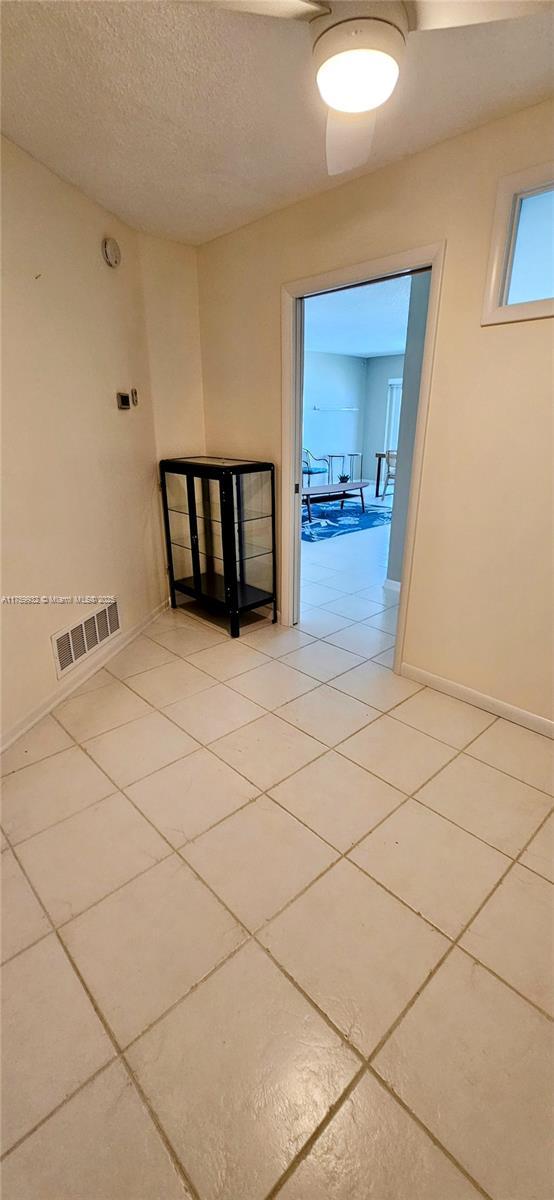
{"points": [[184, 799], [213, 713], [52, 1038], [539, 855], [352, 606], [50, 790], [473, 1062], [337, 799], [267, 750], [386, 620], [520, 752], [362, 640], [23, 920], [359, 953], [384, 595], [137, 749], [245, 1033], [164, 685], [328, 715], [276, 640], [398, 754], [273, 684], [77, 862], [443, 717], [438, 869], [315, 573], [188, 640], [319, 593], [140, 655], [232, 658], [143, 947], [322, 660], [376, 685], [95, 712], [486, 802], [45, 738], [258, 859], [102, 1145], [373, 1150], [319, 623], [513, 935]]}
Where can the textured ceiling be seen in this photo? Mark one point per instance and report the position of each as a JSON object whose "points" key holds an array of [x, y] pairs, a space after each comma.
{"points": [[362, 321], [189, 121]]}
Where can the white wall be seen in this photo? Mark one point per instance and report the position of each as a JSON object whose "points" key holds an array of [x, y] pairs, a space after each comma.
{"points": [[379, 371], [481, 600], [336, 385], [80, 497]]}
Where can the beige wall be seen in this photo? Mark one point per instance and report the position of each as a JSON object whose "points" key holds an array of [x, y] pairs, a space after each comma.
{"points": [[170, 287], [80, 498], [480, 611]]}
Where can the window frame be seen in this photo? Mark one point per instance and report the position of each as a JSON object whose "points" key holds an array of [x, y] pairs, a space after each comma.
{"points": [[512, 189]]}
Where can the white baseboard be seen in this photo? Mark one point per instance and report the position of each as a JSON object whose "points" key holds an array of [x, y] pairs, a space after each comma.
{"points": [[392, 584], [78, 676], [499, 708]]}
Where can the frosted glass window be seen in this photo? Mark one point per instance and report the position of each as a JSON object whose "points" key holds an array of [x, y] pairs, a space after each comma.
{"points": [[531, 273]]}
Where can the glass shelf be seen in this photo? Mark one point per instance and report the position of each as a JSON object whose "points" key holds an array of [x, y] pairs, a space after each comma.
{"points": [[248, 550], [213, 586], [217, 520]]}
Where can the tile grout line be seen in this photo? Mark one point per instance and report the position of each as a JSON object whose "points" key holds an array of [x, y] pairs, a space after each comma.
{"points": [[316, 878], [369, 1059], [250, 936], [310, 1142], [118, 1056], [432, 1136], [341, 855], [329, 683], [453, 946]]}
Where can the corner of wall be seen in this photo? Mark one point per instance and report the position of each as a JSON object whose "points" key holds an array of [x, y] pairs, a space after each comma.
{"points": [[169, 273]]}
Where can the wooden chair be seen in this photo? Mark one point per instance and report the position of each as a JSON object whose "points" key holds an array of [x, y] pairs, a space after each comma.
{"points": [[390, 476]]}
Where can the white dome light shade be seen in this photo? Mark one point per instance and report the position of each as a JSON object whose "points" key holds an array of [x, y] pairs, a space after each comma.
{"points": [[357, 80], [358, 64]]}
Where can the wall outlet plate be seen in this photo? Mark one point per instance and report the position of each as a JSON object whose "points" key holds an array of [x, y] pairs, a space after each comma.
{"points": [[123, 400]]}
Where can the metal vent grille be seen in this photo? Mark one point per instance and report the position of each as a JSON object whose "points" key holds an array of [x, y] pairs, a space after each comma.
{"points": [[102, 624], [63, 649], [76, 643], [113, 618], [91, 635]]}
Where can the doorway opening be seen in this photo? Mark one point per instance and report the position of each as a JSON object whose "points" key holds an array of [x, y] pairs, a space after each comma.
{"points": [[359, 360]]}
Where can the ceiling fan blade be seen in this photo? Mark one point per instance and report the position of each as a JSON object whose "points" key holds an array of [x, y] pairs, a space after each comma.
{"points": [[300, 9], [348, 140], [448, 14]]}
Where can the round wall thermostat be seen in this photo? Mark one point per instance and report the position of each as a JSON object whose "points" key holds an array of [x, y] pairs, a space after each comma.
{"points": [[111, 252]]}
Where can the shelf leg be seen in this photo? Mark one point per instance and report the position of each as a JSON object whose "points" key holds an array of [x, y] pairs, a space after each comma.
{"points": [[234, 624], [274, 621]]}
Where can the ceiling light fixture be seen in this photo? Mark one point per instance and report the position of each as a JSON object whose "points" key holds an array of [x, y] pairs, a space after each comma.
{"points": [[358, 63]]}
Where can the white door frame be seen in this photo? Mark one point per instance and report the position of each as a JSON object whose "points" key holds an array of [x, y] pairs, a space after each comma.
{"points": [[291, 466]]}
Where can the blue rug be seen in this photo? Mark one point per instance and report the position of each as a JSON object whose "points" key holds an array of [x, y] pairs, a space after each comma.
{"points": [[328, 521]]}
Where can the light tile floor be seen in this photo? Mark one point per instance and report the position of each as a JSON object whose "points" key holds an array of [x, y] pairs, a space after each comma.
{"points": [[276, 922]]}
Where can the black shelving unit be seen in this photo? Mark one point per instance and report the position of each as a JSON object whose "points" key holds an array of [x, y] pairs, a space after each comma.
{"points": [[219, 520]]}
